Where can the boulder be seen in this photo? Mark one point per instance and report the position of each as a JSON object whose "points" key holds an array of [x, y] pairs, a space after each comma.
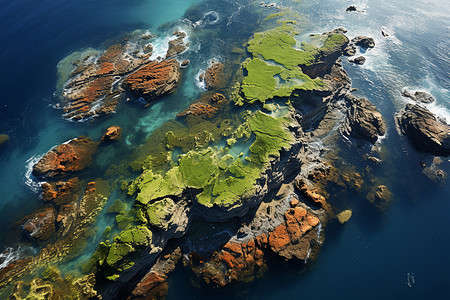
{"points": [[360, 60], [185, 63], [363, 120], [177, 45], [419, 96], [113, 133], [344, 216], [215, 77], [380, 197], [153, 80], [65, 159], [424, 130], [351, 8], [363, 41], [41, 225], [3, 138]]}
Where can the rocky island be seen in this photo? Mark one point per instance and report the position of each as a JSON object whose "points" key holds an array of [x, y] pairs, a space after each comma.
{"points": [[256, 154]]}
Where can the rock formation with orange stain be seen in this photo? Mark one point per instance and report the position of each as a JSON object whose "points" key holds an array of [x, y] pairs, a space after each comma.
{"points": [[91, 90], [206, 107], [60, 192], [153, 80], [243, 259], [66, 159], [112, 133], [154, 285], [215, 77]]}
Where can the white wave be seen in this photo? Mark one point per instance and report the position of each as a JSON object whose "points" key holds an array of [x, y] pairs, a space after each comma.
{"points": [[205, 19], [200, 83], [11, 254], [308, 255], [32, 181]]}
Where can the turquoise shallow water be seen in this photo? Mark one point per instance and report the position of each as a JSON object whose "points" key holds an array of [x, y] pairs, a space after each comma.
{"points": [[370, 256]]}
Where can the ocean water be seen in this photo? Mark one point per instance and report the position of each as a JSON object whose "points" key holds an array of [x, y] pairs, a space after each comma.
{"points": [[367, 258]]}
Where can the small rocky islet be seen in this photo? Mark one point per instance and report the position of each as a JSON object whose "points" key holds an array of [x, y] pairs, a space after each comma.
{"points": [[248, 153]]}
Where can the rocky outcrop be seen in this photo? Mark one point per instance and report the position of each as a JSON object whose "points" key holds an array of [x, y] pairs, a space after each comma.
{"points": [[154, 80], [434, 172], [364, 42], [424, 130], [177, 45], [154, 285], [380, 197], [360, 60], [351, 8], [419, 96], [335, 43], [363, 120], [206, 107], [60, 192], [41, 225], [214, 77], [66, 159], [113, 133], [242, 260], [91, 90], [185, 63]]}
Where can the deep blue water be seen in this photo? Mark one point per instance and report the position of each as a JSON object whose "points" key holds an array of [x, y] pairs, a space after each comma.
{"points": [[370, 256]]}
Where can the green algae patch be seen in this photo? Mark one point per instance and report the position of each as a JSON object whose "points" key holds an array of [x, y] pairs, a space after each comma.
{"points": [[265, 82], [271, 136], [198, 167], [154, 186], [278, 45], [117, 207], [97, 259], [121, 252], [218, 177], [274, 15], [276, 67]]}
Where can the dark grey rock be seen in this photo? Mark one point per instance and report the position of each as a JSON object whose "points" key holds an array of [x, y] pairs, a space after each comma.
{"points": [[360, 60]]}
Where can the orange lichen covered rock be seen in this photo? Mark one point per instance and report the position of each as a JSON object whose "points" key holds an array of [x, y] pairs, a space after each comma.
{"points": [[113, 133], [206, 107], [242, 261], [153, 80], [66, 159], [313, 195], [215, 77], [91, 91], [154, 285]]}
